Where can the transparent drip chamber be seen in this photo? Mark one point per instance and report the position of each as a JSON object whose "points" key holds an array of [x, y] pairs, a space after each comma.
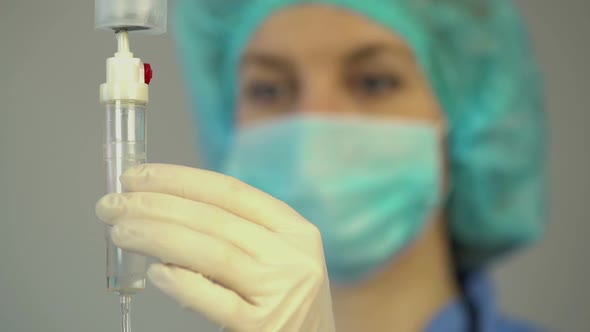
{"points": [[125, 97], [125, 147]]}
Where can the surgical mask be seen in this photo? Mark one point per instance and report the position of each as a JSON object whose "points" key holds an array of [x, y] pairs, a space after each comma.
{"points": [[369, 185]]}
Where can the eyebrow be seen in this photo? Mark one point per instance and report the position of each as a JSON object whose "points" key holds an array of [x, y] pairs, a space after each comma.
{"points": [[267, 60], [373, 50]]}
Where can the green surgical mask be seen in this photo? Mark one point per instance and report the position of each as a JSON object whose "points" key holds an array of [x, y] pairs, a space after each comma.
{"points": [[369, 185]]}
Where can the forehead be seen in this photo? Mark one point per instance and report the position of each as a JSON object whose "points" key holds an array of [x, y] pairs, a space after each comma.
{"points": [[319, 30]]}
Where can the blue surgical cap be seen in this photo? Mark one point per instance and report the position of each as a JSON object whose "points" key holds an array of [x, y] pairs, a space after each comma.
{"points": [[478, 60]]}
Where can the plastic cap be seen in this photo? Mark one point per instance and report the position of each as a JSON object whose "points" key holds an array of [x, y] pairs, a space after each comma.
{"points": [[136, 16]]}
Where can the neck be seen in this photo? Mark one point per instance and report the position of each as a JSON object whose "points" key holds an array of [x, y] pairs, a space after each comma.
{"points": [[404, 296]]}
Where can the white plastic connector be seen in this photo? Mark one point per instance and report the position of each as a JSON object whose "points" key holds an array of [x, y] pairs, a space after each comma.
{"points": [[125, 75]]}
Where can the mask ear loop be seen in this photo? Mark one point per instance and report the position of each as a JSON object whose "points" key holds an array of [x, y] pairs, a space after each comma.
{"points": [[443, 129]]}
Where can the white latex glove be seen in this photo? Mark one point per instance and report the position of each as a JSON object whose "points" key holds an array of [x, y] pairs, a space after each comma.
{"points": [[266, 260]]}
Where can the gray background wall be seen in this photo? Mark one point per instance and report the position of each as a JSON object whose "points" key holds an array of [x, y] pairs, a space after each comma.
{"points": [[51, 245]]}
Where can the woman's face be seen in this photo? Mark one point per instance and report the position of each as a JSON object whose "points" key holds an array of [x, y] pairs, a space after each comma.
{"points": [[317, 58]]}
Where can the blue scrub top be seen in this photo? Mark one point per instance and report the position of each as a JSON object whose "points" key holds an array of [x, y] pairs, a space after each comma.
{"points": [[475, 311]]}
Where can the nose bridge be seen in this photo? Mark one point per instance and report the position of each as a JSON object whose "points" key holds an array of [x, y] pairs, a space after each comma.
{"points": [[322, 93]]}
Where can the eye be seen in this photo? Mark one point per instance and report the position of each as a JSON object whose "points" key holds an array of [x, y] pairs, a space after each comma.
{"points": [[376, 84], [266, 92]]}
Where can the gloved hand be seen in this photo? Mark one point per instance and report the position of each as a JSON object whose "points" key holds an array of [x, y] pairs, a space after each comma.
{"points": [[238, 256]]}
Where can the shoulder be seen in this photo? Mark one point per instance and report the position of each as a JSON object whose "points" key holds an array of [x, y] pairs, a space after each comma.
{"points": [[513, 325], [476, 310], [479, 296]]}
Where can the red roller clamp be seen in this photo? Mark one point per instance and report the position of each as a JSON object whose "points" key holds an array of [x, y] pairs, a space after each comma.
{"points": [[148, 73]]}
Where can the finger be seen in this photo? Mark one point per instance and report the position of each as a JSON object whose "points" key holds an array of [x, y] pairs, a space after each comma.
{"points": [[216, 189], [201, 217], [194, 291], [195, 251]]}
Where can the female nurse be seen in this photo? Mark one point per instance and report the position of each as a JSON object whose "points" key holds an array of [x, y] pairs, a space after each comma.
{"points": [[366, 162]]}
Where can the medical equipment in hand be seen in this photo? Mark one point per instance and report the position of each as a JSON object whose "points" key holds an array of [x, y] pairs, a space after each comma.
{"points": [[125, 96], [232, 253]]}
